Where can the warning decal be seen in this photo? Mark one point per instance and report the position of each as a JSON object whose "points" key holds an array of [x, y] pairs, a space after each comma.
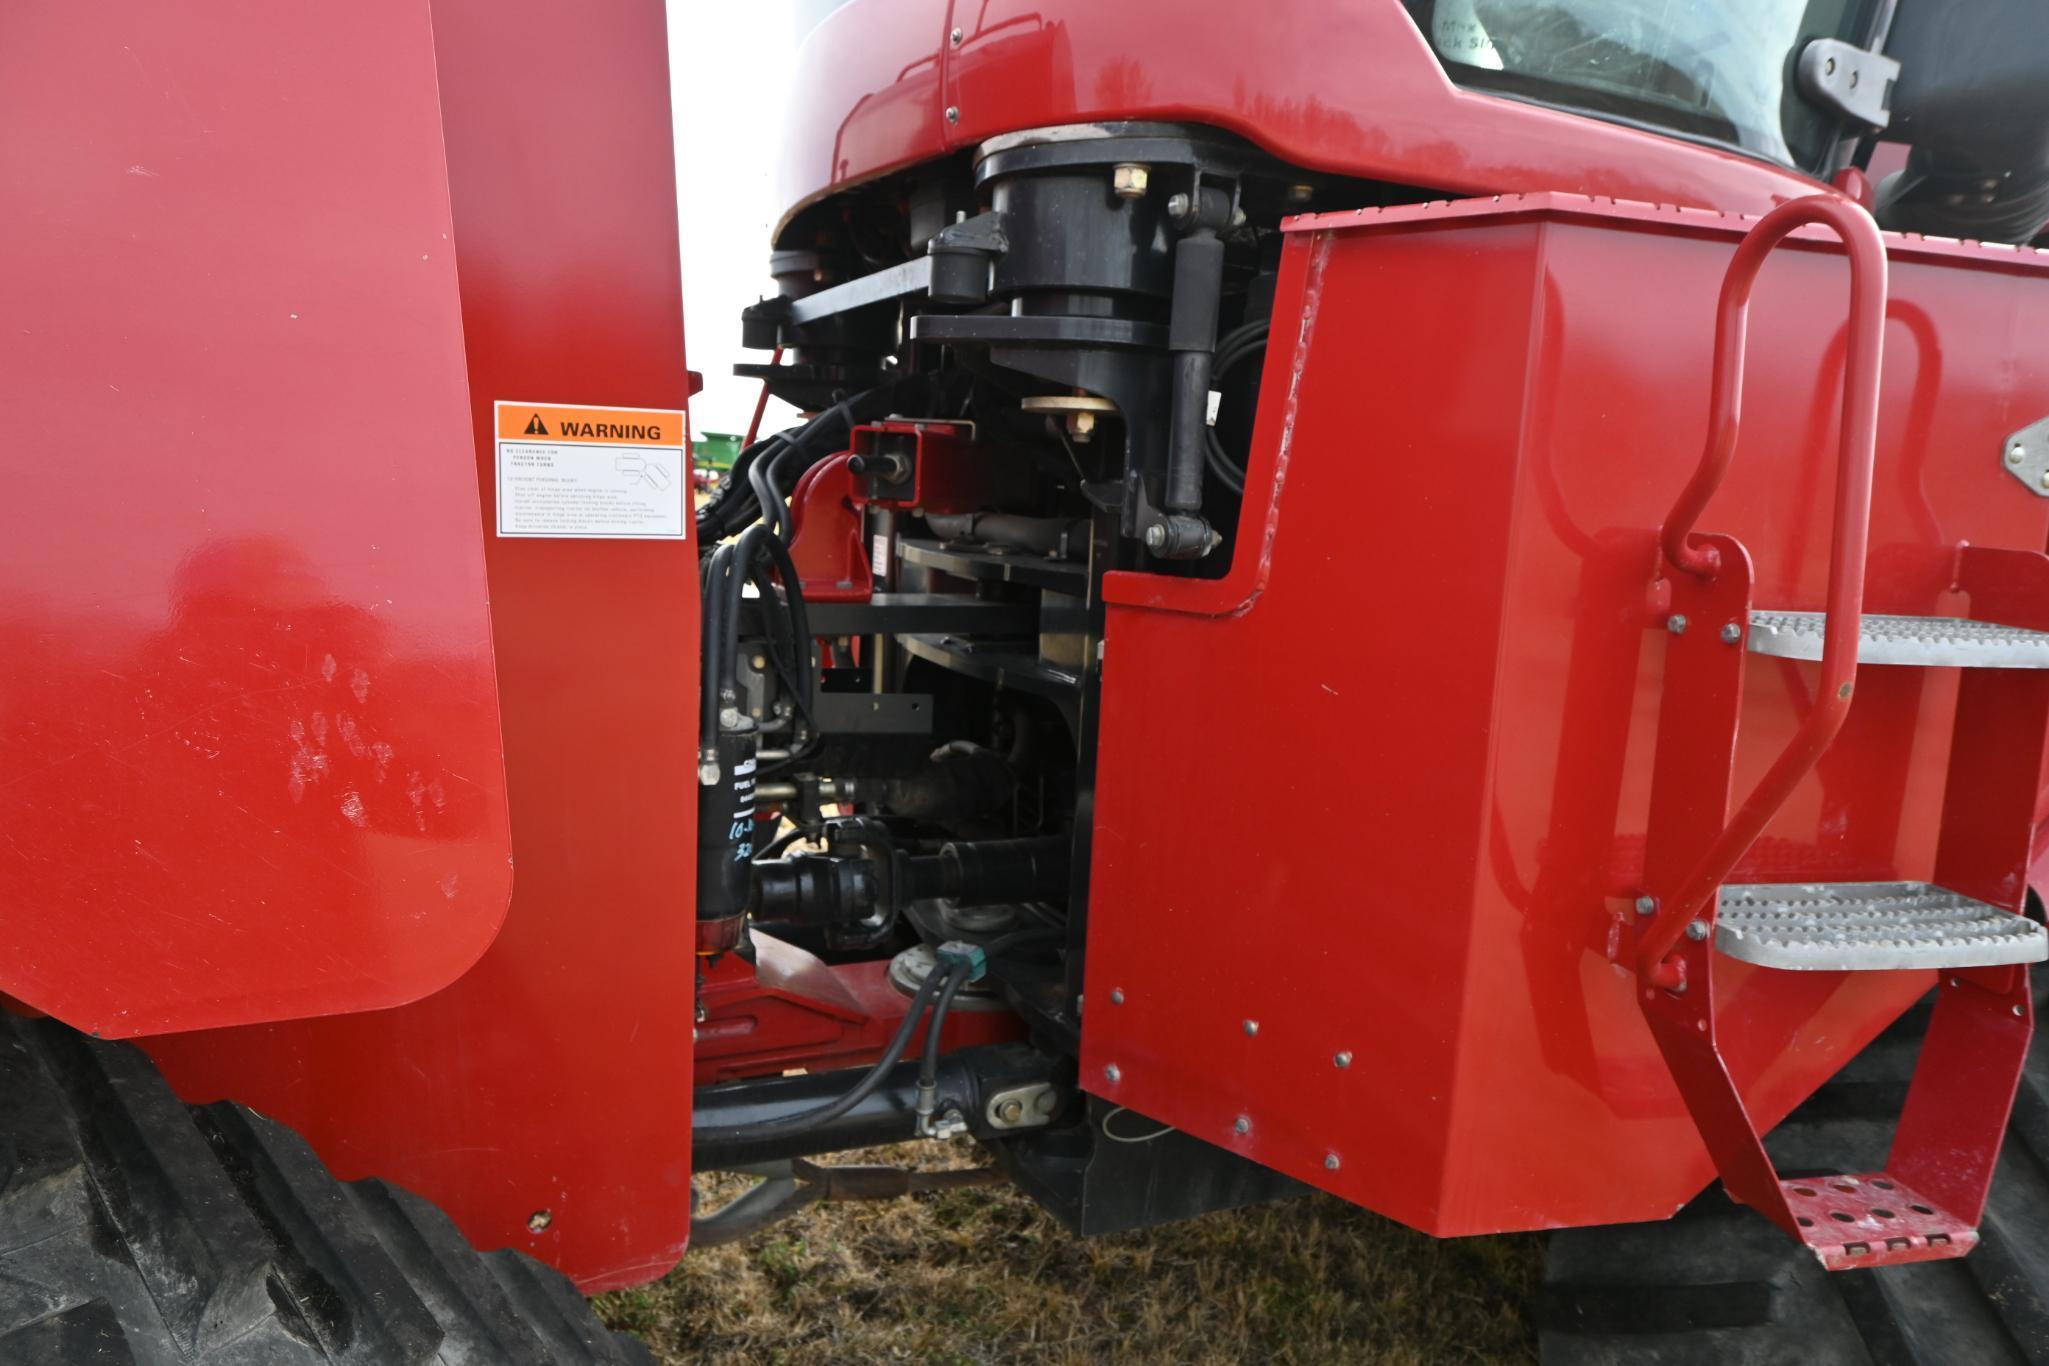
{"points": [[567, 471]]}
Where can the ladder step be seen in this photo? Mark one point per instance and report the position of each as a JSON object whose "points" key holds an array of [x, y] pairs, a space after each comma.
{"points": [[1952, 642], [1870, 1219], [1870, 927]]}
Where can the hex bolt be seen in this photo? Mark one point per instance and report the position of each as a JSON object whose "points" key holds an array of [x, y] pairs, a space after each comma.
{"points": [[1676, 624], [953, 113], [1301, 194], [1731, 633], [1129, 180], [1251, 1028], [1330, 1162], [1110, 1072], [1243, 1125], [1342, 1060], [1696, 930], [1646, 905], [1116, 996], [1010, 1111], [955, 37]]}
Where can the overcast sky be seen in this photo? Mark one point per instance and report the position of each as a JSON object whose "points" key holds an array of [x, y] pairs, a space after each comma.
{"points": [[728, 62]]}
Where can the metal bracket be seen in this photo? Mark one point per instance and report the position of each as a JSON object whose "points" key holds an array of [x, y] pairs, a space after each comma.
{"points": [[1023, 1107], [1848, 80], [2025, 456]]}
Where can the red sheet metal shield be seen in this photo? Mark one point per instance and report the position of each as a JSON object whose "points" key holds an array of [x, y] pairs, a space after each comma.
{"points": [[249, 754], [1429, 695]]}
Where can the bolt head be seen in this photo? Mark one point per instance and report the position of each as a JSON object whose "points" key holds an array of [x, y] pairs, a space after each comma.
{"points": [[1330, 1162], [955, 37], [1155, 536], [1010, 1111], [539, 1220], [1111, 1073], [1676, 624], [1646, 905], [1116, 996], [1696, 930], [953, 113], [2016, 453], [1251, 1028], [1129, 180], [1731, 633], [1178, 205], [1300, 194], [1242, 1125], [1342, 1060]]}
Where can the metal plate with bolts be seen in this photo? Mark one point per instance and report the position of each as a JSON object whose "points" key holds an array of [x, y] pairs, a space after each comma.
{"points": [[1023, 1107], [2025, 455]]}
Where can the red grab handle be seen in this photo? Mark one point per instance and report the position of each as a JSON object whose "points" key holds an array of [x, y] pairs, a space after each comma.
{"points": [[1851, 538]]}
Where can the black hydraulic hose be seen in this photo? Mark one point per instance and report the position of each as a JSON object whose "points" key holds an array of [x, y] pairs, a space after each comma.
{"points": [[928, 1068], [714, 608], [768, 500], [800, 626], [1240, 345], [860, 1091]]}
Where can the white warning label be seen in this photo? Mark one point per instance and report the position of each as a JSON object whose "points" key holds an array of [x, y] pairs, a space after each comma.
{"points": [[571, 471]]}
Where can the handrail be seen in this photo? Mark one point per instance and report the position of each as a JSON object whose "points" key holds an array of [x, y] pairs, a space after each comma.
{"points": [[1852, 534]]}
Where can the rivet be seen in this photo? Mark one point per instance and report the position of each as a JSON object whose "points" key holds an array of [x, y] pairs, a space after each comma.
{"points": [[1330, 1162], [955, 37], [2019, 1013], [1696, 930], [1676, 624], [2016, 454], [1342, 1060], [1116, 996], [1646, 905], [1251, 1028], [953, 113], [1242, 1125], [1110, 1072], [1956, 981], [1731, 633]]}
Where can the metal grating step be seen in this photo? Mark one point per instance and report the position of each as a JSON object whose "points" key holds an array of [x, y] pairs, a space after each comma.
{"points": [[1870, 927], [1928, 641]]}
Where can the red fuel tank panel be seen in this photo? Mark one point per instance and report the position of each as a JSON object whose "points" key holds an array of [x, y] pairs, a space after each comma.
{"points": [[250, 764], [1428, 690]]}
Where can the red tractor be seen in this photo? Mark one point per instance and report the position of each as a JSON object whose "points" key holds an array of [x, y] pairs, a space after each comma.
{"points": [[1577, 473]]}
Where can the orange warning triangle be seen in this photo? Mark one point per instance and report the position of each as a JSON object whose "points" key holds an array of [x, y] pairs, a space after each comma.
{"points": [[536, 427]]}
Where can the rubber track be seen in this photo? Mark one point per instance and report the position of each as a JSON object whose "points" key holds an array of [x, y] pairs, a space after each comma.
{"points": [[138, 1231], [1720, 1285]]}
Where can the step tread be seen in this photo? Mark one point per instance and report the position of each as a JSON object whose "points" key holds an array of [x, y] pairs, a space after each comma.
{"points": [[1926, 641], [1869, 1219], [1870, 926]]}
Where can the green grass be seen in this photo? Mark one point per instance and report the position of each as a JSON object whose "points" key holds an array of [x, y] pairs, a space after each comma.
{"points": [[981, 1275]]}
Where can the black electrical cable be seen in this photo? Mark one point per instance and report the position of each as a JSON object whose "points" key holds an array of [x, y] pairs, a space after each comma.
{"points": [[810, 1119]]}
